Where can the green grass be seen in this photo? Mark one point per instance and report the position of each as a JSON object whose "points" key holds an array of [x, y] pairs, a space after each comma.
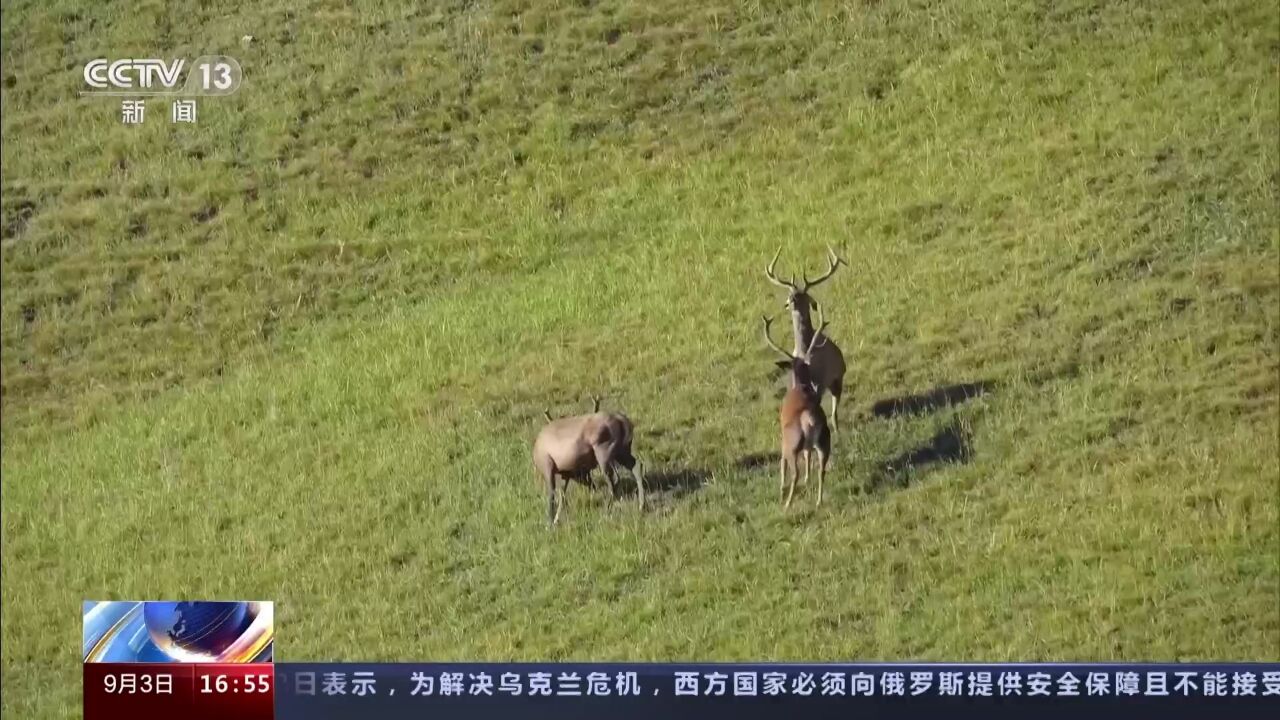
{"points": [[299, 350]]}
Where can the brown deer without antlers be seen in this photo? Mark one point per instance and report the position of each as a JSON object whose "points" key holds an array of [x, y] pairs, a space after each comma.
{"points": [[804, 425], [571, 447], [826, 366]]}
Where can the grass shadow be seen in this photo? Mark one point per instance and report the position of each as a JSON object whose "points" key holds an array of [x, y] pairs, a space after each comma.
{"points": [[666, 484], [931, 400], [952, 444], [674, 483]]}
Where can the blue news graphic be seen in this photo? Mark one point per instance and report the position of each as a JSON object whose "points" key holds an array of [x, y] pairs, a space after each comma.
{"points": [[207, 628], [565, 691], [182, 632]]}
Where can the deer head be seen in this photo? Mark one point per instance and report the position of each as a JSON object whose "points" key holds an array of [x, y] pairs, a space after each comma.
{"points": [[798, 298]]}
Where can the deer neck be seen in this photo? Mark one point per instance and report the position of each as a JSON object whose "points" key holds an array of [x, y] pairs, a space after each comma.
{"points": [[802, 330]]}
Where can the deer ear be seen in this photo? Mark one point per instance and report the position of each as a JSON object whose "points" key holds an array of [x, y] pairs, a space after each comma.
{"points": [[813, 304]]}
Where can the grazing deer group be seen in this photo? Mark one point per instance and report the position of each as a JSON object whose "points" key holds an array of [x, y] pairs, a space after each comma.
{"points": [[570, 448]]}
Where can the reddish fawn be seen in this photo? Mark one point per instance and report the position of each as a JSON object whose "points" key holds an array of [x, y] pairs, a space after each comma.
{"points": [[804, 425]]}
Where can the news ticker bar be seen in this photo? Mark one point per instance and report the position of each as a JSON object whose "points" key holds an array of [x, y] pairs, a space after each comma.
{"points": [[341, 691]]}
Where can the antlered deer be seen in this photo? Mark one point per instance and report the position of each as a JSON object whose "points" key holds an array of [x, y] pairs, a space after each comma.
{"points": [[571, 447], [826, 365], [804, 425]]}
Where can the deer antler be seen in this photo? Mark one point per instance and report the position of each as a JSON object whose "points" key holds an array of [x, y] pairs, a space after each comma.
{"points": [[817, 333], [768, 272], [833, 262], [546, 413], [768, 339], [595, 403]]}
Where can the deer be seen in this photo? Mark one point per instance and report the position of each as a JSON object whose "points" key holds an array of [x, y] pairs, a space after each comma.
{"points": [[826, 366], [804, 424], [570, 448], [582, 477]]}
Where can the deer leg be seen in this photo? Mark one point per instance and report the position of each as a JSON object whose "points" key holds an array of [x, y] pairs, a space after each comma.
{"points": [[808, 466], [791, 488], [553, 506], [611, 474], [634, 467], [604, 458], [823, 446], [547, 469], [564, 483], [551, 501], [837, 389], [782, 478], [822, 473], [588, 481]]}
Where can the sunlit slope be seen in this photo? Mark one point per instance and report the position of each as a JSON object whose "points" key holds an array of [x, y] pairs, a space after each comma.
{"points": [[298, 351]]}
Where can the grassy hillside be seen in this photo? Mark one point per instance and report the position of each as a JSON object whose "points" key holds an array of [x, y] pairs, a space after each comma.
{"points": [[299, 350]]}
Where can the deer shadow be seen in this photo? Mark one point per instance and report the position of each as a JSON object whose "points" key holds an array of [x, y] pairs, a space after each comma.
{"points": [[931, 400], [953, 444], [755, 461], [675, 483]]}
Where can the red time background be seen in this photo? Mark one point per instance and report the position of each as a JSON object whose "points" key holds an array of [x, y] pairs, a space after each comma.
{"points": [[152, 691]]}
